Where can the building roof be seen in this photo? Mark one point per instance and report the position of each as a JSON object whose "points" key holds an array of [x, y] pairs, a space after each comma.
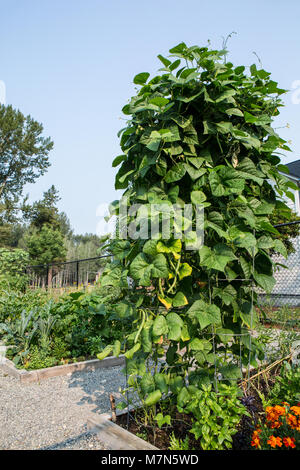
{"points": [[294, 168]]}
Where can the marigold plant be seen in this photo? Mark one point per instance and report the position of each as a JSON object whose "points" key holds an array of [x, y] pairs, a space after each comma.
{"points": [[281, 429]]}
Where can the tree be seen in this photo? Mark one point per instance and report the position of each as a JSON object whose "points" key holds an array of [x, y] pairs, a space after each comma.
{"points": [[200, 133], [12, 268], [45, 246], [10, 228], [23, 151], [46, 235], [45, 211], [65, 225]]}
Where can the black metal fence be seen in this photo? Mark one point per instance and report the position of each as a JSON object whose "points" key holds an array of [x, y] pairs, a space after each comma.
{"points": [[78, 273], [85, 272]]}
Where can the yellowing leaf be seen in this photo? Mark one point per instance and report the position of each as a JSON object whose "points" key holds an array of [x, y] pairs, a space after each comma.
{"points": [[166, 302], [184, 270]]}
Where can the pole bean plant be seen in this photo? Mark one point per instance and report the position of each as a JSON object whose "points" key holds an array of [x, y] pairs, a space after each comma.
{"points": [[199, 134]]}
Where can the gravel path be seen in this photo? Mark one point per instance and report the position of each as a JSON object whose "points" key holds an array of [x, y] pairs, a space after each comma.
{"points": [[52, 414]]}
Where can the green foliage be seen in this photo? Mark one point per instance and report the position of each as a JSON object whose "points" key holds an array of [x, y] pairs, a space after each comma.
{"points": [[85, 246], [286, 387], [87, 322], [44, 212], [285, 316], [162, 419], [18, 336], [39, 359], [60, 348], [45, 246], [39, 330], [23, 152], [276, 342], [216, 415], [179, 444], [12, 269], [12, 303], [199, 133], [289, 232]]}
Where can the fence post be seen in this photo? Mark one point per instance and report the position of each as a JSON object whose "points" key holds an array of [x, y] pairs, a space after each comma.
{"points": [[77, 274], [47, 277]]}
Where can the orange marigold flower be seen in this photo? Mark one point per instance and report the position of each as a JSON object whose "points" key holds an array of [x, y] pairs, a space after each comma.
{"points": [[275, 425], [289, 442], [280, 410], [292, 421], [274, 441], [255, 438], [255, 442], [273, 412], [296, 410]]}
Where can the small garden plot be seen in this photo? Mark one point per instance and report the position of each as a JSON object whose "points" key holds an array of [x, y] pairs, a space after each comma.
{"points": [[263, 412], [39, 332]]}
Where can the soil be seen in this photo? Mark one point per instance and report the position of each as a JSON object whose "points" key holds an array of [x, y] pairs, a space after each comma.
{"points": [[160, 437], [278, 326]]}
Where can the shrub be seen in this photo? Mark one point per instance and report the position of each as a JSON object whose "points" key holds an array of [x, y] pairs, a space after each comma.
{"points": [[12, 269]]}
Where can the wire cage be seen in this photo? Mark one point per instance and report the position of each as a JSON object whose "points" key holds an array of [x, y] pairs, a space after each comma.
{"points": [[286, 292], [226, 366]]}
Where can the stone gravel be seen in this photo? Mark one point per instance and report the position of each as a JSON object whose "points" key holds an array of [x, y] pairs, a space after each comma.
{"points": [[53, 414]]}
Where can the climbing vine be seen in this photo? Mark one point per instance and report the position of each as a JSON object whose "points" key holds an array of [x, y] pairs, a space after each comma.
{"points": [[199, 133]]}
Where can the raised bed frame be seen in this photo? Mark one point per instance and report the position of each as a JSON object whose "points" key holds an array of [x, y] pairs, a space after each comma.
{"points": [[25, 376], [114, 437]]}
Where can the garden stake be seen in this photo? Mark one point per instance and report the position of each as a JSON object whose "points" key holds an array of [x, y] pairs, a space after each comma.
{"points": [[113, 408]]}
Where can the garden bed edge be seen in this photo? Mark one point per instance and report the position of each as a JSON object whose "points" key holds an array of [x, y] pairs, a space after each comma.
{"points": [[114, 437], [25, 376]]}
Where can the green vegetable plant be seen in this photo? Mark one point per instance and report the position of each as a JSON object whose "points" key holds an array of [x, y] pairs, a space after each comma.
{"points": [[13, 302], [18, 336], [43, 332], [216, 415], [198, 134], [286, 386], [179, 444]]}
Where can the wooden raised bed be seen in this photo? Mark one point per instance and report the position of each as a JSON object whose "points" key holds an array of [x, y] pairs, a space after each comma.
{"points": [[114, 437], [37, 375]]}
